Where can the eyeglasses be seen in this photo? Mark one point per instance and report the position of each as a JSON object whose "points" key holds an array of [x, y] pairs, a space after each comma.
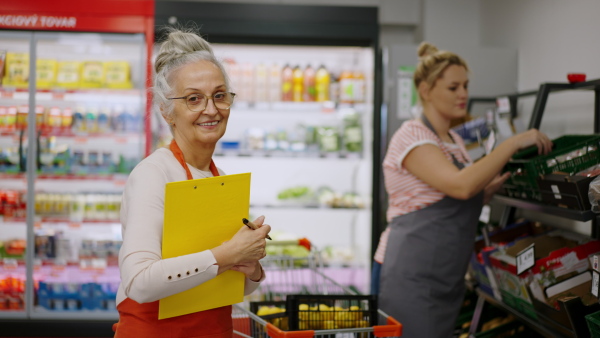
{"points": [[198, 102]]}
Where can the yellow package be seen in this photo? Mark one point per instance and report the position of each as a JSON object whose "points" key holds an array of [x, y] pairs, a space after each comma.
{"points": [[68, 74], [92, 74], [45, 73], [116, 75], [17, 70]]}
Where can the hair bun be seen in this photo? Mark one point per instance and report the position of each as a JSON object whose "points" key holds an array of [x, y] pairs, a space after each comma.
{"points": [[426, 49]]}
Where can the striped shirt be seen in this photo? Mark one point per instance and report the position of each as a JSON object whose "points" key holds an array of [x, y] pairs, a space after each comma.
{"points": [[406, 192]]}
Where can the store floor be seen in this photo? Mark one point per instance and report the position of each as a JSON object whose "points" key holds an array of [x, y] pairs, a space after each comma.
{"points": [[55, 328]]}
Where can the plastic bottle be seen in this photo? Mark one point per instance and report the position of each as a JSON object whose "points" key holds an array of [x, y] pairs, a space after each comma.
{"points": [[260, 83], [322, 83], [347, 87], [274, 83], [359, 86], [309, 85], [298, 84], [66, 119], [287, 75]]}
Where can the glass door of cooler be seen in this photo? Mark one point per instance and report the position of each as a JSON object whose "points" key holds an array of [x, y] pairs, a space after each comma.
{"points": [[89, 110], [302, 124], [13, 184]]}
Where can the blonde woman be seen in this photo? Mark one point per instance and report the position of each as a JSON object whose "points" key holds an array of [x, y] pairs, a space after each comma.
{"points": [[435, 199]]}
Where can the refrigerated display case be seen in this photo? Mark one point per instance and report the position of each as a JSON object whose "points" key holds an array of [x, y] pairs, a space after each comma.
{"points": [[305, 119], [73, 122]]}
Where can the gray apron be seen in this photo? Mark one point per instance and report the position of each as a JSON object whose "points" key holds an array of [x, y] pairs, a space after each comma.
{"points": [[422, 277]]}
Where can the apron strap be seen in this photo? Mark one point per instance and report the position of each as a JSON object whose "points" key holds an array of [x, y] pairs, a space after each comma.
{"points": [[179, 156], [430, 126]]}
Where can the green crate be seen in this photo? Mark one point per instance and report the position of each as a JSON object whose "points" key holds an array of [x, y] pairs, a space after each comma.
{"points": [[527, 166], [593, 321]]}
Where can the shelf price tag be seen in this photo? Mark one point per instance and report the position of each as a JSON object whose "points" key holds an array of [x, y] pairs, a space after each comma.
{"points": [[526, 259], [10, 263], [595, 283]]}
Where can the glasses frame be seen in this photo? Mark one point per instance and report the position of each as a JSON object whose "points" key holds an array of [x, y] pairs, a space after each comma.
{"points": [[208, 97]]}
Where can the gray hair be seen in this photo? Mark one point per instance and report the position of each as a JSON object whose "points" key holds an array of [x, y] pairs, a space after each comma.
{"points": [[180, 48]]}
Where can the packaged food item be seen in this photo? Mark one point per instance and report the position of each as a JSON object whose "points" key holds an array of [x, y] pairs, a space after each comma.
{"points": [[329, 140], [92, 74], [117, 75], [46, 73], [352, 133], [322, 83], [68, 74], [17, 70]]}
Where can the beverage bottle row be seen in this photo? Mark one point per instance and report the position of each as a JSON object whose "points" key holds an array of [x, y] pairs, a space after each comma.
{"points": [[294, 82], [81, 119], [67, 206]]}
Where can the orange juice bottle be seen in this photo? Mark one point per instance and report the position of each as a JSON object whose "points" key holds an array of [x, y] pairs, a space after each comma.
{"points": [[322, 83], [286, 83], [309, 85], [347, 87], [297, 88]]}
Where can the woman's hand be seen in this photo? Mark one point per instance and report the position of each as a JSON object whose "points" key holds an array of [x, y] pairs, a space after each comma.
{"points": [[252, 270], [534, 137], [493, 186], [244, 249]]}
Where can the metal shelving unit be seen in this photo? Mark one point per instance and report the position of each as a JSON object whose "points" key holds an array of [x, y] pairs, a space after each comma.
{"points": [[574, 308]]}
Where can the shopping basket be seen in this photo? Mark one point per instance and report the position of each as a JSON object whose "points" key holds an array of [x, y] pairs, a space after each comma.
{"points": [[308, 303]]}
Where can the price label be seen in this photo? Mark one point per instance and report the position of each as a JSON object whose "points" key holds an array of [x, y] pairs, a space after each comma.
{"points": [[595, 282], [526, 259], [10, 263], [503, 104]]}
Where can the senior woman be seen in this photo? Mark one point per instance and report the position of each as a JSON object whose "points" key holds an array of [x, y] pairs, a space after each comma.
{"points": [[192, 92]]}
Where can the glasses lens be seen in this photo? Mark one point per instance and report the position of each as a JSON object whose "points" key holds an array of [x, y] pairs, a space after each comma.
{"points": [[223, 100], [196, 102]]}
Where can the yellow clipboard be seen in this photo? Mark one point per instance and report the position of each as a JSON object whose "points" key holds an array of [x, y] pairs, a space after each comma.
{"points": [[199, 215]]}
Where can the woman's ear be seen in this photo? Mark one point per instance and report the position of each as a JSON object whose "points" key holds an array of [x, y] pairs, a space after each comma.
{"points": [[423, 91]]}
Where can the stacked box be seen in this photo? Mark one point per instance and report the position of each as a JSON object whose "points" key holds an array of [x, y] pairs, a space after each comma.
{"points": [[556, 255]]}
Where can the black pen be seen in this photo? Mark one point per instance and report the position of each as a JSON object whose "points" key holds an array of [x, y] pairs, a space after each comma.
{"points": [[252, 226]]}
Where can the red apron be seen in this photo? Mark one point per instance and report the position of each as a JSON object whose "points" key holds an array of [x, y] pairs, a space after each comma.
{"points": [[141, 320]]}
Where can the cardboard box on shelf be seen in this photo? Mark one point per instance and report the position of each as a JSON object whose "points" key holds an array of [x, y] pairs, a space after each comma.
{"points": [[557, 255], [480, 262]]}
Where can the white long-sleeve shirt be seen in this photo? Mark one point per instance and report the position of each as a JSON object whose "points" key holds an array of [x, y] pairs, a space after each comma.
{"points": [[144, 274]]}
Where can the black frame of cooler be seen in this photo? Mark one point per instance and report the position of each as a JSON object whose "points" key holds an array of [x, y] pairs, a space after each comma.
{"points": [[310, 25], [551, 322]]}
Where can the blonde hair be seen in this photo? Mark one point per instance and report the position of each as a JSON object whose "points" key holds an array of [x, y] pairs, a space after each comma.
{"points": [[180, 48], [433, 63]]}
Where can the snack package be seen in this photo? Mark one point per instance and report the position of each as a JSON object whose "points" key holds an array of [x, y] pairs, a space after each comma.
{"points": [[92, 74], [68, 74], [17, 70], [116, 75], [46, 73]]}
